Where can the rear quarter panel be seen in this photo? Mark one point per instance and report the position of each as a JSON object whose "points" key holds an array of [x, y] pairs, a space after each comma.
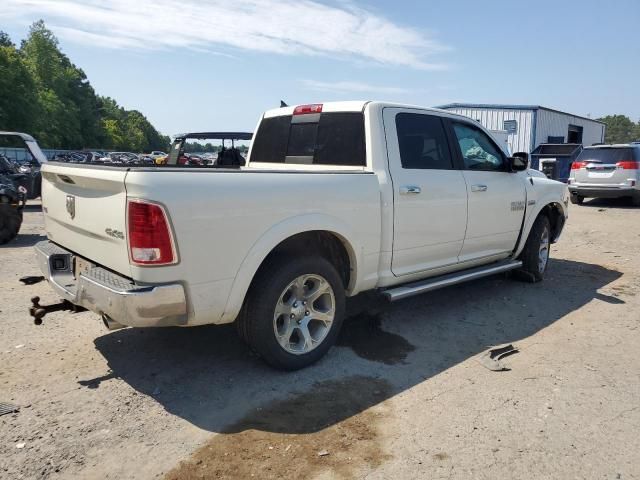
{"points": [[226, 222]]}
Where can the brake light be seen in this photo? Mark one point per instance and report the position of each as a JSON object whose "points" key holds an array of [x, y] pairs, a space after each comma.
{"points": [[150, 240], [305, 109], [628, 165], [578, 165]]}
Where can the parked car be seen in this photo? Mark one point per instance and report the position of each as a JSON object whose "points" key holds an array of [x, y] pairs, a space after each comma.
{"points": [[156, 153], [13, 196], [29, 168], [606, 171], [122, 157], [321, 211]]}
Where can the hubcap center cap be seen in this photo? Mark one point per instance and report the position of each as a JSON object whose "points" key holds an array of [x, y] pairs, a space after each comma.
{"points": [[298, 311]]}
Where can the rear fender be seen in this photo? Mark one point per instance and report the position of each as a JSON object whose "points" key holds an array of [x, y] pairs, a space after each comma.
{"points": [[276, 235]]}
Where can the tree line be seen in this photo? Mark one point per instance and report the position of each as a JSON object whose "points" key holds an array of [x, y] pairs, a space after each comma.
{"points": [[620, 129], [45, 95]]}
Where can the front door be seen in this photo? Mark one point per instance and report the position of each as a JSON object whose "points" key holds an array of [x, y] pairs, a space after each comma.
{"points": [[497, 197], [430, 195]]}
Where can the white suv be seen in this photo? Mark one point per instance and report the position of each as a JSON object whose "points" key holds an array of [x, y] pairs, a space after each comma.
{"points": [[606, 171]]}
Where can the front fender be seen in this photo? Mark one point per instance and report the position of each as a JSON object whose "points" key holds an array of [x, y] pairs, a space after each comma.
{"points": [[276, 235], [543, 193]]}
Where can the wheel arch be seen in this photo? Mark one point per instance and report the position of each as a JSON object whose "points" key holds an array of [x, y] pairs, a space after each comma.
{"points": [[556, 213], [327, 235]]}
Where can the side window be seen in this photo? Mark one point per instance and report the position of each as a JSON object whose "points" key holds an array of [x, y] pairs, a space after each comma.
{"points": [[478, 151], [422, 141]]}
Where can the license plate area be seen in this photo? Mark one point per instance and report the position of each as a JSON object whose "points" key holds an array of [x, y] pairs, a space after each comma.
{"points": [[600, 174], [81, 267]]}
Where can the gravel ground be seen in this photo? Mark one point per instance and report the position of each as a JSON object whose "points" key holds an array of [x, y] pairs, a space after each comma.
{"points": [[403, 396]]}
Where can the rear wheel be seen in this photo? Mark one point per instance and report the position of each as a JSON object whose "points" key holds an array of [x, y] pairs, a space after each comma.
{"points": [[294, 311], [576, 199], [535, 255], [635, 201], [10, 222]]}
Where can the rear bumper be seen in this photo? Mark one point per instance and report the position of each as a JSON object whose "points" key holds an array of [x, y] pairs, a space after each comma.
{"points": [[107, 293], [598, 192]]}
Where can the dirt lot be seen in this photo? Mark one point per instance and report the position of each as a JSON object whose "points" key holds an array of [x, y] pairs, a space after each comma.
{"points": [[403, 396]]}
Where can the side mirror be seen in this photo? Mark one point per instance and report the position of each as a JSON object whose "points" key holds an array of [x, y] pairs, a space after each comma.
{"points": [[519, 162]]}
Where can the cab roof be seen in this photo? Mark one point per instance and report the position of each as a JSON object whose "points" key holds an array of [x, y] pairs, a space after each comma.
{"points": [[615, 145], [357, 106]]}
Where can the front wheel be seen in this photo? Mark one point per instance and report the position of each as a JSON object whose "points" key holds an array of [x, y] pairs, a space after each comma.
{"points": [[294, 311], [535, 255]]}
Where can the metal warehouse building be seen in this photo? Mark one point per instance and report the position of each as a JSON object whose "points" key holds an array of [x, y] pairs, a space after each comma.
{"points": [[528, 126]]}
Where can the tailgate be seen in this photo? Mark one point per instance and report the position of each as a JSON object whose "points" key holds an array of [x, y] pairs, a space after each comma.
{"points": [[601, 173], [84, 211], [606, 166]]}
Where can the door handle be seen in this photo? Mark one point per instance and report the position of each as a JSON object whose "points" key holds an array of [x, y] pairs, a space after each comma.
{"points": [[410, 190], [478, 188]]}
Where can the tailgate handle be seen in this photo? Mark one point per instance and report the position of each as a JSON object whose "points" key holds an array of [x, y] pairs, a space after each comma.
{"points": [[66, 179]]}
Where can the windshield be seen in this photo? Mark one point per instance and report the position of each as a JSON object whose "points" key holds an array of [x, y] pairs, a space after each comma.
{"points": [[606, 155]]}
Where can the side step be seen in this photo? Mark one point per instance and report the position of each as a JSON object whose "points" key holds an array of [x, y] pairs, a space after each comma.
{"points": [[422, 286]]}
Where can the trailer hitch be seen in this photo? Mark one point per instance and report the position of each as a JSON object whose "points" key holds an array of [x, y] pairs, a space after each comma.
{"points": [[38, 311]]}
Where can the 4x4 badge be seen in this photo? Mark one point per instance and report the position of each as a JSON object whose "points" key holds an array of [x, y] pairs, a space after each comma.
{"points": [[71, 206]]}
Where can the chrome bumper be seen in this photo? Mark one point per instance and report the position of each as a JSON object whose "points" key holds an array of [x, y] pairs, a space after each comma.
{"points": [[603, 192], [107, 293]]}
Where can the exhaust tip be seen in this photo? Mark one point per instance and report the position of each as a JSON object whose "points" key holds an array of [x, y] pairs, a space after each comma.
{"points": [[110, 323]]}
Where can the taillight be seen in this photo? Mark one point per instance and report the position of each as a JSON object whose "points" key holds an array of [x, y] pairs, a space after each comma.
{"points": [[304, 109], [628, 165], [578, 165], [150, 241]]}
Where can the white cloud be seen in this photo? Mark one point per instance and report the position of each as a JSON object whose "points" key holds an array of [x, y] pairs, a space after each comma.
{"points": [[352, 87], [300, 27]]}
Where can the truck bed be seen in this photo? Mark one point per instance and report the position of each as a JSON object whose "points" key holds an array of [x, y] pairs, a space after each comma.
{"points": [[218, 217]]}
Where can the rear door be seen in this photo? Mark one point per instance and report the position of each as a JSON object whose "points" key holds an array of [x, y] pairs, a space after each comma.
{"points": [[497, 197], [604, 167], [85, 212], [430, 196]]}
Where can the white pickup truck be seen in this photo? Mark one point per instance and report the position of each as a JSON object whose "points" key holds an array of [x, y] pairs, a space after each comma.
{"points": [[336, 199]]}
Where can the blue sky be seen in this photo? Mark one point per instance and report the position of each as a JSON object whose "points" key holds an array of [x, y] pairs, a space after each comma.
{"points": [[216, 65]]}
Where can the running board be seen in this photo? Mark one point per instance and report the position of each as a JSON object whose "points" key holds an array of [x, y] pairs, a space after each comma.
{"points": [[422, 286]]}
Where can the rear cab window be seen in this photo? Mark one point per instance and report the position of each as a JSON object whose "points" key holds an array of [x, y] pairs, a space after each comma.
{"points": [[311, 138]]}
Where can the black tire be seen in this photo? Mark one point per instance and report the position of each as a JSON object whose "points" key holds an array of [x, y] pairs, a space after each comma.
{"points": [[635, 201], [10, 222], [576, 199], [256, 324], [532, 268]]}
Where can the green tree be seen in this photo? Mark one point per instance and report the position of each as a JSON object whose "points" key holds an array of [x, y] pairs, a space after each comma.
{"points": [[5, 40], [43, 93], [620, 129], [18, 98]]}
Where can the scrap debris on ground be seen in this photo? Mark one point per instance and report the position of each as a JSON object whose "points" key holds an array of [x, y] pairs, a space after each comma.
{"points": [[491, 359]]}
